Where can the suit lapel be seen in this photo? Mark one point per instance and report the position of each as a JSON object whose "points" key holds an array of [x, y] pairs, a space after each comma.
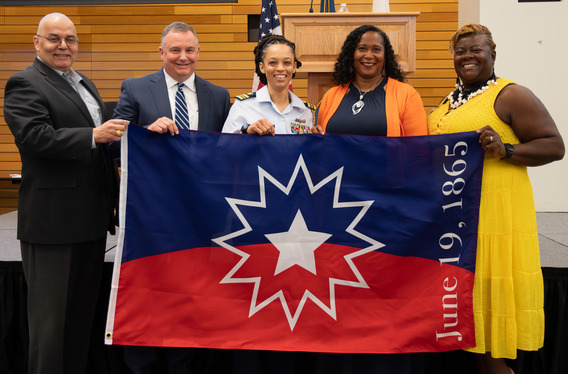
{"points": [[203, 100], [60, 84], [159, 92]]}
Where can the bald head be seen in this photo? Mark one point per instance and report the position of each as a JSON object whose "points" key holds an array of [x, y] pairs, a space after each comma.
{"points": [[55, 18], [56, 42]]}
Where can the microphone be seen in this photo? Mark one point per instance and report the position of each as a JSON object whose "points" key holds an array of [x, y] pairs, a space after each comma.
{"points": [[311, 6]]}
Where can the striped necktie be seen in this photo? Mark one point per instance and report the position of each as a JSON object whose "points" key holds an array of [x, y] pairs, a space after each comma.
{"points": [[182, 116]]}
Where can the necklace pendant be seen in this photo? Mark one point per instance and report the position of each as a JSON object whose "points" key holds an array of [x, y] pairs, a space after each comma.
{"points": [[356, 108]]}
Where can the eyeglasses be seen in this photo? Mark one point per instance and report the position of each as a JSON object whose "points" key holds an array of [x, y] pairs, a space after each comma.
{"points": [[70, 40]]}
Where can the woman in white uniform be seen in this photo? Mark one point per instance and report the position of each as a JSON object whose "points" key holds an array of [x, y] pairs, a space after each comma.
{"points": [[273, 109]]}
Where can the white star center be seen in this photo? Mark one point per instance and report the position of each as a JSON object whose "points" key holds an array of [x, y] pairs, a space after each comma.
{"points": [[297, 245]]}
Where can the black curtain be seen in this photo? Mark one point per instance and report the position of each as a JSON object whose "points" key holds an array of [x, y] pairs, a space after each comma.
{"points": [[13, 320], [551, 359]]}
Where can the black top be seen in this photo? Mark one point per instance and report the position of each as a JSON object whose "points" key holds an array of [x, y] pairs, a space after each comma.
{"points": [[371, 120]]}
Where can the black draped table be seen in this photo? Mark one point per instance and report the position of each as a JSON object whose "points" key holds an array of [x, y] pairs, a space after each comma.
{"points": [[551, 359]]}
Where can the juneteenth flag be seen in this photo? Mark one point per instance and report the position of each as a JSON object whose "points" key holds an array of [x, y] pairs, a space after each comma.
{"points": [[296, 242]]}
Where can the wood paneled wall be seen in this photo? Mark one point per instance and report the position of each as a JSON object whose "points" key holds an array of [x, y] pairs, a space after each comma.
{"points": [[121, 41]]}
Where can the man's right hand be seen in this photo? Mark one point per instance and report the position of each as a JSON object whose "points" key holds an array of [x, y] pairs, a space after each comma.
{"points": [[110, 131]]}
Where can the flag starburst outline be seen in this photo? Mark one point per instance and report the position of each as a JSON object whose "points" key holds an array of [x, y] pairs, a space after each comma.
{"points": [[235, 203]]}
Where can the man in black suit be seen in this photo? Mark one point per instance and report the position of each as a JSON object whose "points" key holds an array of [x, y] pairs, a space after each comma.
{"points": [[150, 101], [65, 204]]}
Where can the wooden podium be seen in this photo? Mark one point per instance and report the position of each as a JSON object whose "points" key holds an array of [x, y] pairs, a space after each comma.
{"points": [[320, 36]]}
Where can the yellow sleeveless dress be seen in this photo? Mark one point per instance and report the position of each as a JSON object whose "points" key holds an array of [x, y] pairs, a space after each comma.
{"points": [[508, 293]]}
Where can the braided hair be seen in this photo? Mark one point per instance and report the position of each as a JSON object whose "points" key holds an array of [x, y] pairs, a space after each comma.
{"points": [[344, 71], [260, 49]]}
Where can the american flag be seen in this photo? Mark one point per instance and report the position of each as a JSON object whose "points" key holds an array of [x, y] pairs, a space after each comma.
{"points": [[269, 24]]}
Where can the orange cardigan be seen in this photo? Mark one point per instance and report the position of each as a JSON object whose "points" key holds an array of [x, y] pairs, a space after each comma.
{"points": [[404, 107]]}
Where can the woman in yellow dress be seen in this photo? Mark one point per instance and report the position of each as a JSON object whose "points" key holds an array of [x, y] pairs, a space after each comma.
{"points": [[516, 131]]}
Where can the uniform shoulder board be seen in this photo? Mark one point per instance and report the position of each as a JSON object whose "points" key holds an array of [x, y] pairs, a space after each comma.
{"points": [[246, 96], [313, 108], [310, 106]]}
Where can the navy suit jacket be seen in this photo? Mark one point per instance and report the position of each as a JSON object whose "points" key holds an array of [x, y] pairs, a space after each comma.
{"points": [[67, 188], [144, 100]]}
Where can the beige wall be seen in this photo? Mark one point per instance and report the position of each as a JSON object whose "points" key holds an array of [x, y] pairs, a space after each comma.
{"points": [[530, 41]]}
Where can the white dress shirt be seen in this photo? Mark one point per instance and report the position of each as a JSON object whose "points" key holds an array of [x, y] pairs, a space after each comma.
{"points": [[190, 98]]}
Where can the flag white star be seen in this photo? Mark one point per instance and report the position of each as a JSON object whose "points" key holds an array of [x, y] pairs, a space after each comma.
{"points": [[297, 245], [263, 9], [276, 16], [302, 255], [267, 20]]}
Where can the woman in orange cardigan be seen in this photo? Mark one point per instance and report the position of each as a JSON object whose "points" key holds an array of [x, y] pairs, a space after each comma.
{"points": [[372, 98]]}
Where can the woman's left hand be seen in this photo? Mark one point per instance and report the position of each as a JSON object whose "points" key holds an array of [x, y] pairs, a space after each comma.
{"points": [[491, 142], [540, 141], [317, 129]]}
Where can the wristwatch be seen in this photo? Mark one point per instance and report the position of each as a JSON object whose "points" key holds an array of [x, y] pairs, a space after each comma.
{"points": [[510, 149], [244, 128]]}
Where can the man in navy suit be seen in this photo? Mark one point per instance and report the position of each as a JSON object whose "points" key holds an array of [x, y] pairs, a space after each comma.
{"points": [[149, 101], [65, 200]]}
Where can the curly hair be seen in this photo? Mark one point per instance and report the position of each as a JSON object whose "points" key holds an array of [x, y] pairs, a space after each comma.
{"points": [[472, 29], [260, 50], [344, 71]]}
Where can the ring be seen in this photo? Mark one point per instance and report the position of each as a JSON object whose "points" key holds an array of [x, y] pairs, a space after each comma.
{"points": [[118, 133], [491, 139]]}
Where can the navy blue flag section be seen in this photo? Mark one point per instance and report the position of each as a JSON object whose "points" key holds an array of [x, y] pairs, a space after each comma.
{"points": [[321, 243]]}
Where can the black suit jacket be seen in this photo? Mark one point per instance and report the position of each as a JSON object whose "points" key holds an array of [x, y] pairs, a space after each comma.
{"points": [[67, 188], [143, 100]]}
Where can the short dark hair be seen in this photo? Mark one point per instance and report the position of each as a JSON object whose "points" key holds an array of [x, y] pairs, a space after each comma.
{"points": [[472, 29], [344, 71], [260, 49]]}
